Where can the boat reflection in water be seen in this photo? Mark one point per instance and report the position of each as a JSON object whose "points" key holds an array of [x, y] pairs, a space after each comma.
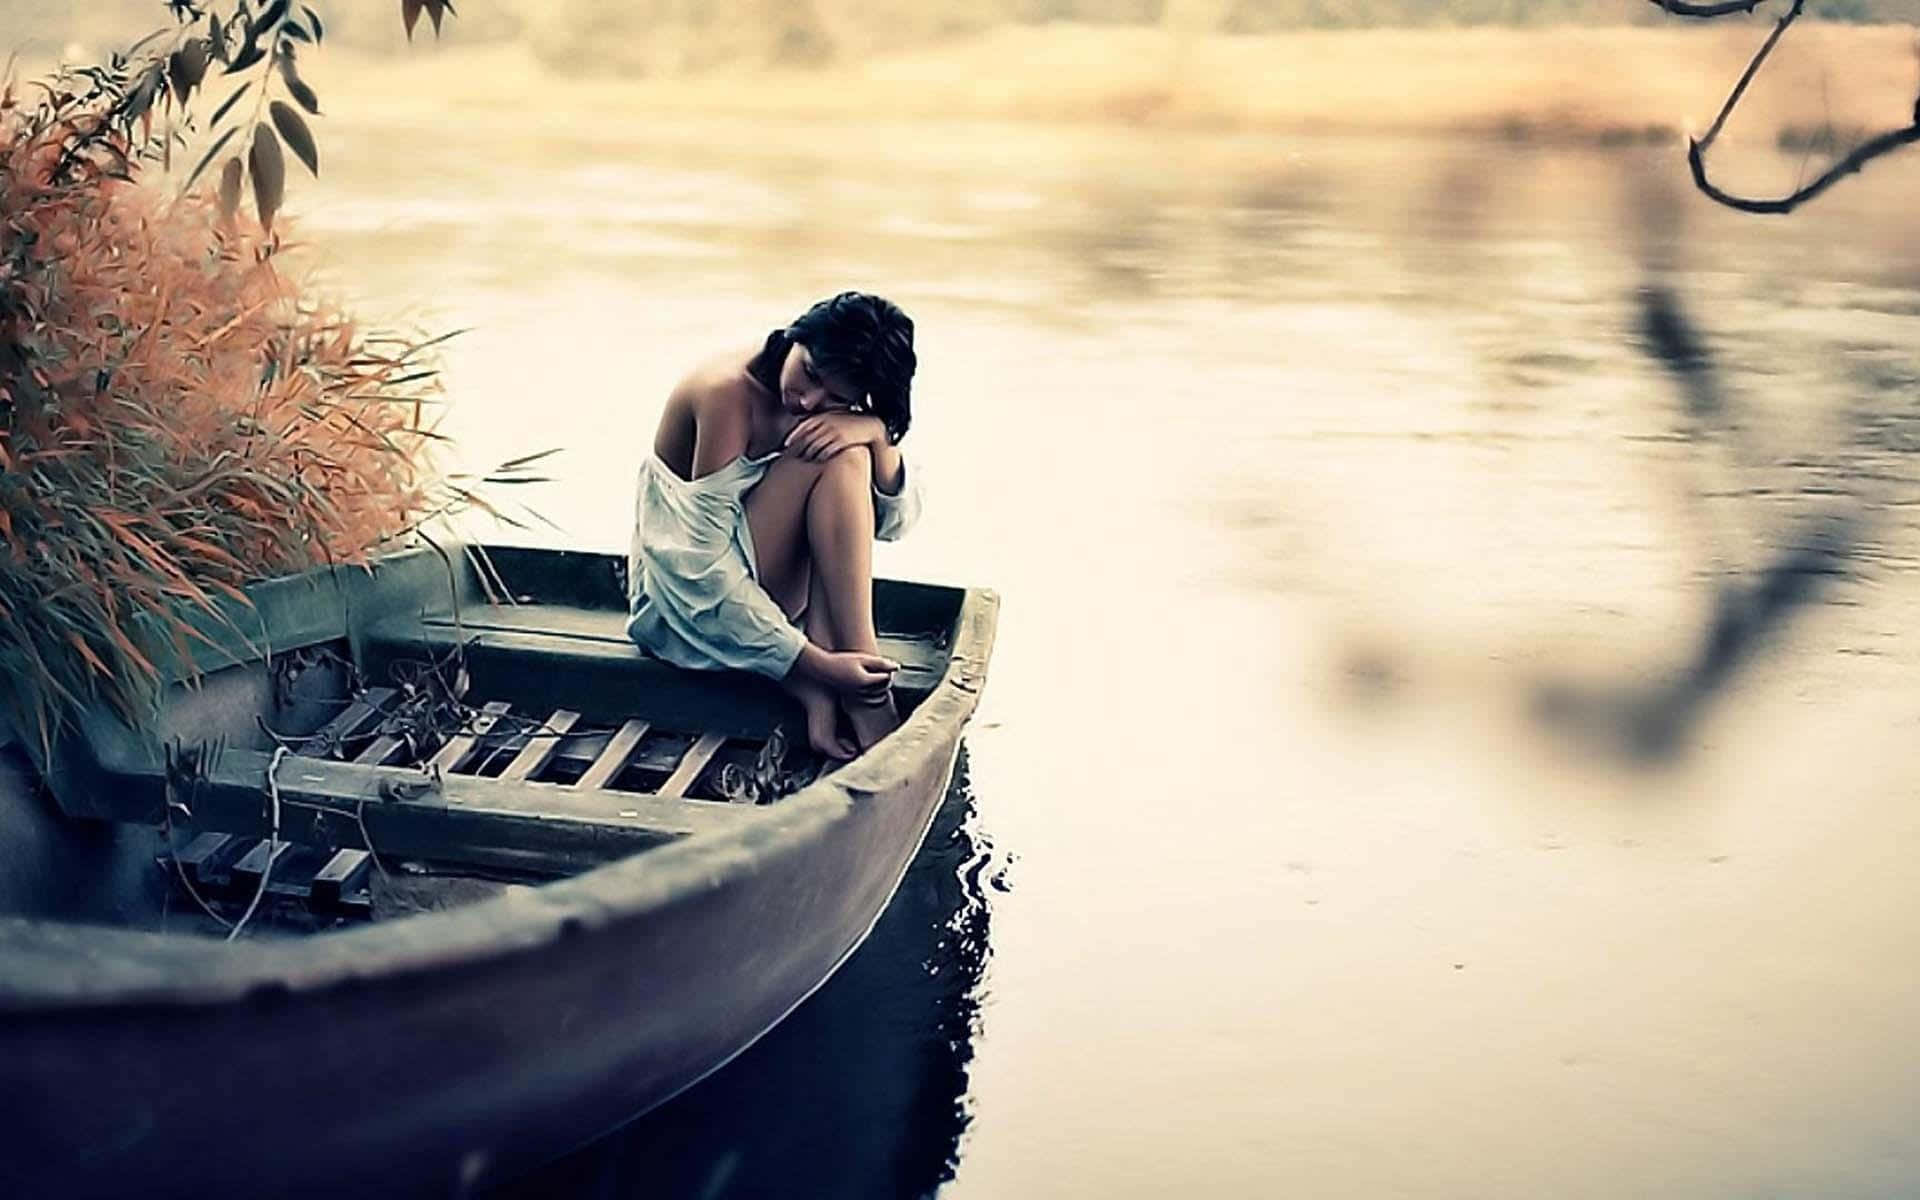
{"points": [[862, 1090]]}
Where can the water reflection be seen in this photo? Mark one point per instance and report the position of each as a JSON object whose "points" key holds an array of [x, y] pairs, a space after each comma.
{"points": [[862, 1090], [1750, 608], [1346, 446]]}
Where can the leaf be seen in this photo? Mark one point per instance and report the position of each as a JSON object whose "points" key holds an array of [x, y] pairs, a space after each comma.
{"points": [[410, 14], [177, 72], [514, 464], [294, 132], [297, 87], [198, 59], [208, 157], [141, 98], [269, 172], [186, 67], [313, 19], [230, 187], [226, 105], [249, 54], [272, 16], [435, 8]]}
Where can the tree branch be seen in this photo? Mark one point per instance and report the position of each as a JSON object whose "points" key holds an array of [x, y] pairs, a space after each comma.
{"points": [[1753, 68], [1683, 8], [1697, 148], [1862, 154]]}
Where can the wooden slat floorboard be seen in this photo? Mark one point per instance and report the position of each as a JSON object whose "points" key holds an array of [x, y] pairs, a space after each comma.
{"points": [[345, 871], [378, 751], [460, 746], [207, 858], [541, 746], [613, 759], [697, 757], [259, 861]]}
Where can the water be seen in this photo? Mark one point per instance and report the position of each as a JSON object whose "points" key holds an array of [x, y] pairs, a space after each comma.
{"points": [[1436, 745]]}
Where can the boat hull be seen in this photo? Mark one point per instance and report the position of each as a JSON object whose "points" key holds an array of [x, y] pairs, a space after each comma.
{"points": [[438, 1079], [451, 1049]]}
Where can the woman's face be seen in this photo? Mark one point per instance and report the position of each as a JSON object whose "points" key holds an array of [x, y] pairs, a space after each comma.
{"points": [[805, 389]]}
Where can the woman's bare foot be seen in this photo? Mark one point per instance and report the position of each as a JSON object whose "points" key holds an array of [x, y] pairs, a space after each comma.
{"points": [[871, 719], [823, 723]]}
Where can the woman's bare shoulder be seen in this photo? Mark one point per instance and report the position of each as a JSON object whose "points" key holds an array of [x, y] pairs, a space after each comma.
{"points": [[709, 416], [719, 382]]}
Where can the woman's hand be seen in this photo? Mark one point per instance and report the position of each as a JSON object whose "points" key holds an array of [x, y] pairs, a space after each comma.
{"points": [[853, 673], [823, 435]]}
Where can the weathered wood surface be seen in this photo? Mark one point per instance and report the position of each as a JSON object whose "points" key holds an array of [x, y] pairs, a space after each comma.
{"points": [[542, 745], [343, 873], [536, 995], [545, 828], [613, 759], [692, 763], [356, 716], [917, 655], [206, 859], [379, 750], [259, 861], [554, 656], [458, 747]]}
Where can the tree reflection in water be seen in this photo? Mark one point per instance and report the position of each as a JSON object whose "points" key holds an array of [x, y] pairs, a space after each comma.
{"points": [[862, 1090]]}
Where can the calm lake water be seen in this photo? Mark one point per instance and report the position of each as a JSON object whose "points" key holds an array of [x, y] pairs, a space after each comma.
{"points": [[1453, 726]]}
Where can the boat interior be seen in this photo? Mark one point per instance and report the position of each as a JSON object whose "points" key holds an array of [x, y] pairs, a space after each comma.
{"points": [[416, 735]]}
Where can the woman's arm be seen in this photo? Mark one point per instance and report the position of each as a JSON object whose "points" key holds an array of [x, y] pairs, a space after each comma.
{"points": [[889, 465], [721, 429], [896, 493], [851, 672]]}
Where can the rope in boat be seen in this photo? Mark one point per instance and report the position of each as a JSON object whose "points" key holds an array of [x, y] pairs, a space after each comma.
{"points": [[273, 840]]}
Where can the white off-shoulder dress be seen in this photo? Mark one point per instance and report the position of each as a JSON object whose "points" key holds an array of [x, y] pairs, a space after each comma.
{"points": [[693, 592]]}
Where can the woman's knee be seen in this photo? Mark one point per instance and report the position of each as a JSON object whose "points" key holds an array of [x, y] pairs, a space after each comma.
{"points": [[852, 467]]}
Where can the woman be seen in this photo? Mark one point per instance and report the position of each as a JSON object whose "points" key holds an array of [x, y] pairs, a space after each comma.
{"points": [[771, 474]]}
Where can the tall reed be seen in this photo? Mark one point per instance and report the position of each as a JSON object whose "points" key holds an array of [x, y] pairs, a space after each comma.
{"points": [[178, 417]]}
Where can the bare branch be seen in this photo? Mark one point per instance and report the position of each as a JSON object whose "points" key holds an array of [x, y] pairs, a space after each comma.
{"points": [[1682, 8], [1862, 154], [1753, 68], [1697, 148]]}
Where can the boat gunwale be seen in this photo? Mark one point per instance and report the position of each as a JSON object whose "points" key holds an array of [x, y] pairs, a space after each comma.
{"points": [[61, 967]]}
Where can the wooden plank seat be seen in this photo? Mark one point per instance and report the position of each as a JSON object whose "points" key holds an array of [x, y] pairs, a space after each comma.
{"points": [[550, 656]]}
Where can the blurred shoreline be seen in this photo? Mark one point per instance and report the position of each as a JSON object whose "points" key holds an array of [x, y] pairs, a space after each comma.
{"points": [[1583, 85]]}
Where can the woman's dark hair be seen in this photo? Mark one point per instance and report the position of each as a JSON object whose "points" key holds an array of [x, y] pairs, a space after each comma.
{"points": [[867, 340]]}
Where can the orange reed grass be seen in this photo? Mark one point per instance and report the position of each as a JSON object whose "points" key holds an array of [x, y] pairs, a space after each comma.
{"points": [[177, 418]]}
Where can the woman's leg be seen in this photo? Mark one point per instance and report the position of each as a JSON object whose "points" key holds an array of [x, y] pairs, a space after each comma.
{"points": [[812, 526], [840, 590]]}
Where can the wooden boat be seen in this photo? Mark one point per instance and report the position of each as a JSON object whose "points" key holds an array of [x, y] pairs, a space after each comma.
{"points": [[861, 1091], [666, 907]]}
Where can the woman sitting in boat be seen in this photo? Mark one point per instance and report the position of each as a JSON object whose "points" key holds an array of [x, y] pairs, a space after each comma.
{"points": [[772, 472]]}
